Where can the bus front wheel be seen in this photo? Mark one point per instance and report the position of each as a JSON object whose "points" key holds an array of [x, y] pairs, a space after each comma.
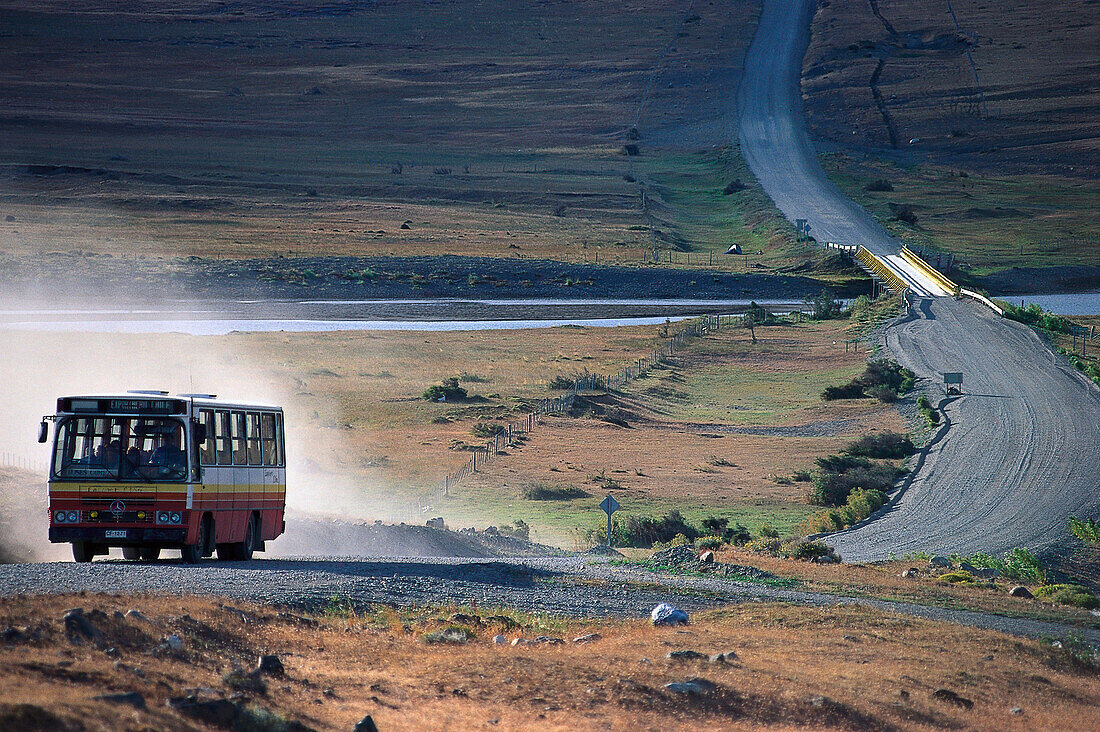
{"points": [[193, 553], [150, 553], [131, 552], [82, 551]]}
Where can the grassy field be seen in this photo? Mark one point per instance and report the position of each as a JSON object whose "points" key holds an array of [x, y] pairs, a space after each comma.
{"points": [[390, 129], [701, 435], [795, 668], [984, 128]]}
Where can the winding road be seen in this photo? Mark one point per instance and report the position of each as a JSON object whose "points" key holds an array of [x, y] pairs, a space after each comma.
{"points": [[1020, 449]]}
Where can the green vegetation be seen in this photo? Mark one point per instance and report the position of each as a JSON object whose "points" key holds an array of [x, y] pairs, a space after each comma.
{"points": [[1016, 564], [861, 503], [1087, 530], [1036, 317], [795, 548], [958, 577], [448, 390], [824, 306], [839, 475], [883, 445], [450, 634], [672, 529], [929, 412], [1068, 594], [548, 492], [883, 379], [487, 430]]}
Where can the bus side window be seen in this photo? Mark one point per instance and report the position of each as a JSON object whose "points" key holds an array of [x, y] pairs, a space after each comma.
{"points": [[240, 449], [254, 452], [221, 437], [280, 445], [206, 449], [271, 457]]}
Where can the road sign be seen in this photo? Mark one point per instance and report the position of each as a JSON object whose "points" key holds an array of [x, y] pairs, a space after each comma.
{"points": [[953, 381], [610, 506]]}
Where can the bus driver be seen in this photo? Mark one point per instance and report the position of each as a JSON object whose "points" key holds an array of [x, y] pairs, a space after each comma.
{"points": [[168, 452]]}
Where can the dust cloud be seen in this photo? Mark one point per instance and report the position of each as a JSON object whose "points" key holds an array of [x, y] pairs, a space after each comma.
{"points": [[40, 366]]}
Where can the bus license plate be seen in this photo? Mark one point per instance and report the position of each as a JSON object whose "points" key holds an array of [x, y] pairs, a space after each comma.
{"points": [[115, 534]]}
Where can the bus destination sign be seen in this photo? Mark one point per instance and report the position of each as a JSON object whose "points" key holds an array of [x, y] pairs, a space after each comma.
{"points": [[122, 406]]}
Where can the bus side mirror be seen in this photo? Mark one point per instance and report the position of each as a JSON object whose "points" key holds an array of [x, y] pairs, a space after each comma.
{"points": [[200, 434], [43, 431]]}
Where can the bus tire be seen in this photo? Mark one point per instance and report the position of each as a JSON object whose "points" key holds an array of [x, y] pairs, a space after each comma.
{"points": [[192, 553], [131, 552], [246, 547], [227, 552], [82, 551], [150, 553]]}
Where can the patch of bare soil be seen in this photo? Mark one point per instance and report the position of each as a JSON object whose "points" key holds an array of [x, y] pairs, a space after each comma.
{"points": [[999, 87]]}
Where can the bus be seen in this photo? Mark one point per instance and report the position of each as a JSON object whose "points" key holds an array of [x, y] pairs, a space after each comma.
{"points": [[144, 471]]}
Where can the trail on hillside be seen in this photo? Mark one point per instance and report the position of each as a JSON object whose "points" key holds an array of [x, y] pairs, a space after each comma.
{"points": [[1020, 454]]}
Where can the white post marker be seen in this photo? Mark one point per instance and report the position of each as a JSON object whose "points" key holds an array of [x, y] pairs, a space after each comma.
{"points": [[610, 506]]}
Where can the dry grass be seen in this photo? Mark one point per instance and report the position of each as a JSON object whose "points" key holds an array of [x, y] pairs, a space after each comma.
{"points": [[836, 668]]}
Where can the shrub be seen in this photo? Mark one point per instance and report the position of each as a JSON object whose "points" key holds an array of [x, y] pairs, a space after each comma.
{"points": [[823, 306], [447, 390], [645, 531], [518, 529], [802, 549], [546, 492], [713, 543], [450, 634], [769, 545], [884, 445], [487, 429], [1021, 564], [1087, 530], [767, 531], [883, 393], [957, 577], [851, 390], [1068, 594], [929, 412], [880, 375], [906, 214], [718, 526], [859, 505], [833, 488], [734, 186], [1034, 315]]}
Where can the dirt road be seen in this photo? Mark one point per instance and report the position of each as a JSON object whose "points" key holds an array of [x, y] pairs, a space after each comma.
{"points": [[1019, 453]]}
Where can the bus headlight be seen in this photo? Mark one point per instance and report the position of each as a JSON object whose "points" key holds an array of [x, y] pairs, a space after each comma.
{"points": [[175, 517], [72, 517], [162, 517], [141, 515], [94, 515], [59, 517]]}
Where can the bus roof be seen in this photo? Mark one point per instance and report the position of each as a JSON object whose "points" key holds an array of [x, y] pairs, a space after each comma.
{"points": [[203, 400]]}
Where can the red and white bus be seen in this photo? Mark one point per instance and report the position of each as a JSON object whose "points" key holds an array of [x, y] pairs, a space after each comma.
{"points": [[144, 471]]}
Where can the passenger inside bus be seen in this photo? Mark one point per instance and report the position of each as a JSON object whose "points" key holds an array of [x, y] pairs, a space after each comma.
{"points": [[168, 452]]}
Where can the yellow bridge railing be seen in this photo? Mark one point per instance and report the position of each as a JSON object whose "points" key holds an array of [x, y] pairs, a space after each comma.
{"points": [[929, 271], [879, 268]]}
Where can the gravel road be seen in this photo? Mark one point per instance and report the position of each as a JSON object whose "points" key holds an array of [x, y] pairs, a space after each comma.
{"points": [[1020, 453], [577, 586]]}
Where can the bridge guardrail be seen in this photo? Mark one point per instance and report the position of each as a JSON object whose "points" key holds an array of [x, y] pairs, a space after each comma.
{"points": [[929, 271], [983, 300], [879, 268]]}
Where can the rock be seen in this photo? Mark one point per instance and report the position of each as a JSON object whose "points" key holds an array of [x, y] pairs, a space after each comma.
{"points": [[132, 698], [707, 557], [136, 615], [1016, 710], [271, 665], [938, 561], [825, 559], [521, 642], [549, 640], [817, 701], [78, 627], [986, 573], [112, 651], [589, 638], [692, 687], [499, 639], [174, 643], [366, 724], [465, 619], [665, 614], [217, 712], [450, 635], [10, 634], [436, 523], [684, 656], [968, 567], [1020, 591], [950, 697], [911, 572], [728, 658]]}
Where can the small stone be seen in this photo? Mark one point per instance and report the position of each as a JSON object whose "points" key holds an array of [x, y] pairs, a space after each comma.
{"points": [[174, 643], [500, 640], [950, 697], [665, 614], [271, 665], [1016, 710], [707, 557], [436, 523], [1057, 645], [589, 638], [692, 687], [851, 638], [1020, 591], [549, 640], [78, 627], [112, 651], [817, 701], [134, 614], [728, 658], [522, 641], [911, 572], [968, 567], [938, 561], [366, 724], [132, 698], [684, 656]]}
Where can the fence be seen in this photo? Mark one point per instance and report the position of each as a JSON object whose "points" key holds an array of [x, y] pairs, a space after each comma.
{"points": [[560, 405], [14, 460]]}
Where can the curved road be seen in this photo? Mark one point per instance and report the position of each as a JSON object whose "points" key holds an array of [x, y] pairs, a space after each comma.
{"points": [[1021, 450]]}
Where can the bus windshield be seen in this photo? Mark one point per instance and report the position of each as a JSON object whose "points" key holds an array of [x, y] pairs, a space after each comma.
{"points": [[120, 449]]}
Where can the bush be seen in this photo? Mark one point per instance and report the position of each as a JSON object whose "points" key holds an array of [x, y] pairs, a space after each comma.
{"points": [[718, 526], [906, 214], [448, 390], [487, 430], [767, 531], [880, 376], [851, 390], [1068, 594], [518, 529], [734, 186], [957, 577], [859, 505], [1021, 564], [802, 549], [645, 531], [1085, 530], [1034, 315], [879, 186], [546, 492], [714, 543], [832, 487], [823, 306], [929, 412], [884, 445]]}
